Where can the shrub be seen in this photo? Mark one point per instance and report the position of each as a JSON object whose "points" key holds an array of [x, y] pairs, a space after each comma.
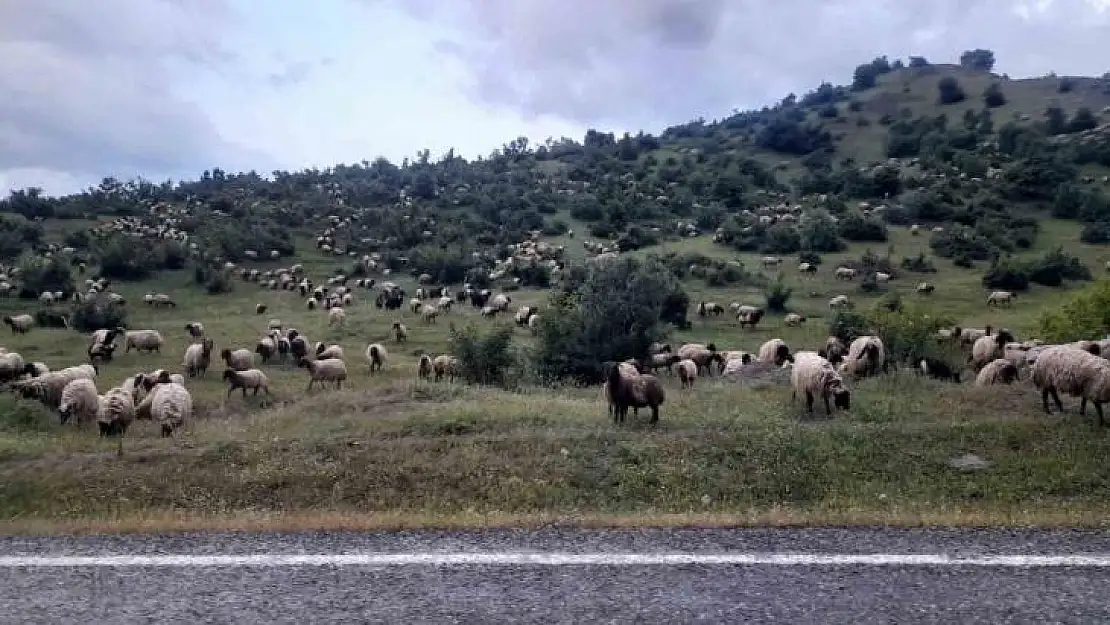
{"points": [[44, 274], [1097, 233], [919, 264], [485, 357], [777, 294], [219, 282], [907, 332], [812, 258], [848, 325], [1055, 267], [1084, 315], [96, 313], [950, 91], [993, 96], [1007, 273], [856, 227]]}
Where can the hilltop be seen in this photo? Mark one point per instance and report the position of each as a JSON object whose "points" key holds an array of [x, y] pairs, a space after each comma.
{"points": [[913, 174]]}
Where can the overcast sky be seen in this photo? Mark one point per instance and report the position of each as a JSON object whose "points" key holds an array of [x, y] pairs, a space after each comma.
{"points": [[168, 88]]}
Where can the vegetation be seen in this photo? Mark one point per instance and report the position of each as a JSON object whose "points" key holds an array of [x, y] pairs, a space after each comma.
{"points": [[906, 171]]}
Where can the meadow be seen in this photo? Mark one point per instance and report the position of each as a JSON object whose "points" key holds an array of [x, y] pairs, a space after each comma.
{"points": [[390, 451]]}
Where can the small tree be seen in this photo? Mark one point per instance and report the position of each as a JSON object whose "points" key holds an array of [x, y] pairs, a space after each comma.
{"points": [[950, 91], [978, 59], [777, 294], [485, 357], [993, 96], [1086, 314]]}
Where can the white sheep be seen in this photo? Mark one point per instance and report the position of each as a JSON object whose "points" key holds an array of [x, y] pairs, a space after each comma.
{"points": [[844, 273], [48, 387], [999, 371], [376, 357], [428, 313], [687, 372], [998, 298], [839, 302], [330, 370], [866, 356], [239, 359], [794, 319], [775, 351], [143, 341], [325, 352], [813, 375], [1075, 372], [79, 401], [12, 366], [171, 405], [248, 379], [337, 316], [702, 355], [115, 413], [988, 348], [197, 358], [400, 332], [21, 324], [445, 365]]}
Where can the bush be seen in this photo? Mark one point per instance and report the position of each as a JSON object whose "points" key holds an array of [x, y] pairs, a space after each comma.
{"points": [[950, 91], [1055, 267], [907, 332], [856, 227], [44, 274], [993, 96], [777, 294], [485, 357], [1097, 233], [1007, 273], [1085, 315], [919, 264], [219, 282], [812, 258], [848, 325], [611, 311], [96, 313]]}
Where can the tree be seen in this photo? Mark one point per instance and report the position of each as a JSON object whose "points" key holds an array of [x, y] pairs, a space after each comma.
{"points": [[950, 90], [978, 59], [993, 96], [918, 61], [1083, 119], [864, 77], [1056, 122]]}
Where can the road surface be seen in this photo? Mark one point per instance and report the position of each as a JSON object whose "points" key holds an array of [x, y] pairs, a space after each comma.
{"points": [[562, 576]]}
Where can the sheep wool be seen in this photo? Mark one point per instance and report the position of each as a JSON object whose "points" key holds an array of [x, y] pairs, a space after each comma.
{"points": [[775, 351], [330, 370], [252, 379], [998, 371], [239, 359], [143, 341], [640, 391], [703, 356], [336, 316], [987, 348], [814, 376], [1062, 368], [325, 352], [171, 406], [197, 358], [445, 365], [79, 401], [20, 324], [687, 372], [117, 411], [376, 356], [866, 356]]}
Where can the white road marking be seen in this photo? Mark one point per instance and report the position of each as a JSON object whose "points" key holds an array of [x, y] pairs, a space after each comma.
{"points": [[554, 559]]}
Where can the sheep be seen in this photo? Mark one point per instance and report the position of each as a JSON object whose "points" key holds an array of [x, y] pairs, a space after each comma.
{"points": [[197, 358], [79, 401], [195, 330], [115, 413], [775, 351], [325, 352], [834, 350], [21, 324], [939, 369], [400, 332], [882, 277], [161, 300], [101, 352], [839, 302], [794, 319], [337, 316], [998, 371], [710, 308], [807, 268], [813, 375], [376, 357], [445, 365], [12, 366], [925, 288], [239, 359], [998, 298], [749, 316], [177, 378], [428, 314], [1075, 372], [988, 348], [330, 370], [424, 367], [663, 360], [844, 273], [534, 323], [735, 362], [260, 309], [248, 379], [638, 391], [143, 341], [866, 356], [105, 336], [266, 348], [687, 372], [171, 405], [445, 303], [703, 356], [501, 302], [310, 303], [523, 314]]}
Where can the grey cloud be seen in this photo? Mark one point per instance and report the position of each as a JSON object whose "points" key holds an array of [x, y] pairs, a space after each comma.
{"points": [[297, 72], [89, 87], [635, 63]]}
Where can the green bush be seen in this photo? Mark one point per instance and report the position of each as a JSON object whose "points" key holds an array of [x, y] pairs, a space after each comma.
{"points": [[97, 312], [485, 356], [44, 274], [908, 333], [777, 294], [1085, 315]]}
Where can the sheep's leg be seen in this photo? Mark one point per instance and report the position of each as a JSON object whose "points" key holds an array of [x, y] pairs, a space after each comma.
{"points": [[654, 415], [230, 390], [828, 408], [1044, 400], [245, 391], [809, 402], [310, 385], [1056, 398]]}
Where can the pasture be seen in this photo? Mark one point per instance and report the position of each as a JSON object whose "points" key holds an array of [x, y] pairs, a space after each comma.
{"points": [[392, 451]]}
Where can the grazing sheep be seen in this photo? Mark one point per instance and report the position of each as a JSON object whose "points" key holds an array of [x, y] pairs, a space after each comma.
{"points": [[195, 330], [400, 332], [311, 303], [239, 359], [21, 324], [376, 356], [12, 366], [925, 288], [794, 319], [170, 404], [710, 308], [840, 302], [749, 316], [866, 356], [703, 356], [1061, 368], [424, 367], [197, 358], [636, 391], [325, 352], [775, 351], [143, 341], [998, 298], [938, 369], [501, 302], [813, 376], [999, 371], [79, 401], [266, 348], [105, 336], [161, 300], [337, 316], [844, 273], [835, 350], [687, 372], [663, 360], [735, 362], [988, 348], [523, 314], [330, 370], [298, 347], [115, 413], [260, 309], [534, 323], [47, 388], [248, 379], [445, 365], [428, 314]]}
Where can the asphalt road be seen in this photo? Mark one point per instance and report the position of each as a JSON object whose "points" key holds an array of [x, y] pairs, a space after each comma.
{"points": [[41, 583]]}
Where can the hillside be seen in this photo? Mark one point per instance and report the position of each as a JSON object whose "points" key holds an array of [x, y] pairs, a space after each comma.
{"points": [[1006, 192]]}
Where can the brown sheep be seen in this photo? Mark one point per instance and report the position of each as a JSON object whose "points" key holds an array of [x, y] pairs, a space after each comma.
{"points": [[641, 391]]}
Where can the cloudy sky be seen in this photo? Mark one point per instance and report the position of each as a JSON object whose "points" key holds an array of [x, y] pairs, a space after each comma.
{"points": [[167, 88]]}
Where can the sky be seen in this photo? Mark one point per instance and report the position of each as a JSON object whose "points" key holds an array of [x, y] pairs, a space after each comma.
{"points": [[168, 88]]}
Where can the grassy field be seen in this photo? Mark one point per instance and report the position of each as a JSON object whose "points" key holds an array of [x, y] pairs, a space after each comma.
{"points": [[393, 452]]}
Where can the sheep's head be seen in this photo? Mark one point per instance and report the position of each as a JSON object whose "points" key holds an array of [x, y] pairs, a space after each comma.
{"points": [[1003, 337], [304, 363], [1009, 373], [842, 398], [206, 346], [228, 374], [225, 353], [782, 354]]}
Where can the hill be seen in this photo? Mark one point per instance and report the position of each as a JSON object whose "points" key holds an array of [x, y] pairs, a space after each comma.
{"points": [[1003, 188]]}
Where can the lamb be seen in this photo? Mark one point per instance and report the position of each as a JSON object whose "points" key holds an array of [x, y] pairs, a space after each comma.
{"points": [[248, 379], [240, 359], [325, 352], [866, 356], [330, 370], [195, 330], [337, 316], [703, 356], [998, 371], [424, 367], [988, 348], [21, 324], [815, 376], [143, 341], [197, 358], [445, 365], [376, 356], [638, 391], [687, 372], [794, 319], [400, 332], [1075, 372], [115, 413], [939, 369], [79, 401], [776, 351]]}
